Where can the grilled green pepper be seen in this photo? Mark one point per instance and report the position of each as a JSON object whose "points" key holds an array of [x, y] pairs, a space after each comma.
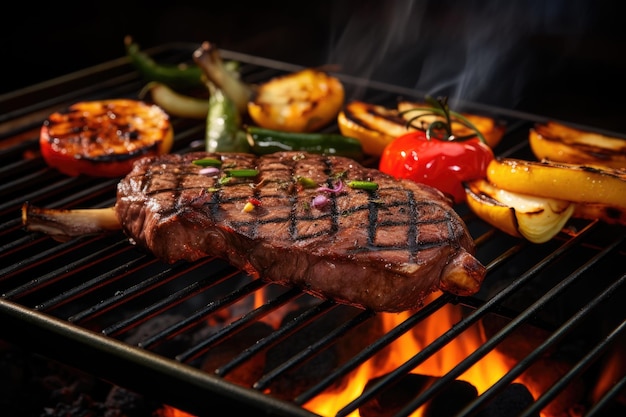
{"points": [[174, 76], [264, 141], [223, 125]]}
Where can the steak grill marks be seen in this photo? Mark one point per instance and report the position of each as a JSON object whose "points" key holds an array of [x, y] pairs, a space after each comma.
{"points": [[386, 211]]}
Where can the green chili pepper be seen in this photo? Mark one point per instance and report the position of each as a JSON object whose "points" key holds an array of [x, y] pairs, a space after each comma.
{"points": [[223, 125], [264, 141], [207, 162], [307, 182], [363, 185], [242, 173], [174, 76]]}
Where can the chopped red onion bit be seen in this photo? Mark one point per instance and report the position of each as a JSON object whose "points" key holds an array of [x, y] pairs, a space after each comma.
{"points": [[320, 201], [336, 189], [209, 171]]}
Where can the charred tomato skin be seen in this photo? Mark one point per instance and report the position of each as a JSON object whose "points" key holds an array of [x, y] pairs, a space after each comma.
{"points": [[75, 164], [444, 165], [104, 138]]}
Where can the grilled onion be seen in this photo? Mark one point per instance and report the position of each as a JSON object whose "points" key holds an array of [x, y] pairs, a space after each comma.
{"points": [[538, 219], [570, 182], [557, 142], [64, 224], [303, 101], [175, 103]]}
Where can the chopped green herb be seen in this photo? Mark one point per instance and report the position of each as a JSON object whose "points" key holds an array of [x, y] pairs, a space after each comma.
{"points": [[363, 185], [224, 180], [242, 172], [307, 182], [207, 162]]}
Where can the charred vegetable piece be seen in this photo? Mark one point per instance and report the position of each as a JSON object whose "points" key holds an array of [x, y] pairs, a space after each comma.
{"points": [[560, 143], [537, 219], [103, 138], [571, 182], [303, 101], [223, 125], [602, 212], [264, 141], [179, 76], [63, 225], [373, 125], [222, 76]]}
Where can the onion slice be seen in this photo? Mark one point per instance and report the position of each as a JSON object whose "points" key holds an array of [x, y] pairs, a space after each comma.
{"points": [[537, 219], [63, 225]]}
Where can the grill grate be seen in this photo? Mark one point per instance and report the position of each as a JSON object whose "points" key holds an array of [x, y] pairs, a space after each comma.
{"points": [[193, 334]]}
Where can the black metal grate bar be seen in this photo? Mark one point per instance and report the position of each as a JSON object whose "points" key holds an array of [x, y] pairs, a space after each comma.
{"points": [[163, 303], [591, 357], [322, 343], [231, 298], [276, 336]]}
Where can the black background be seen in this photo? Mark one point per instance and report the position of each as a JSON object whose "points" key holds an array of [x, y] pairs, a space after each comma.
{"points": [[562, 59]]}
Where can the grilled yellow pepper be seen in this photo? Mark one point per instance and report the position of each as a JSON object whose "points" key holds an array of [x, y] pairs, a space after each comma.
{"points": [[571, 182], [557, 142]]}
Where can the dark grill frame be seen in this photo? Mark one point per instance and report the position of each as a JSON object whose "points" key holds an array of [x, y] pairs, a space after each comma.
{"points": [[76, 301]]}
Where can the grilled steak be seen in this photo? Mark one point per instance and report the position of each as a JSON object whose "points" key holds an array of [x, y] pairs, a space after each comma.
{"points": [[384, 248]]}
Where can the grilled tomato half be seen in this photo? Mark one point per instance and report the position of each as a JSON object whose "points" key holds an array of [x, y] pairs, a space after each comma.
{"points": [[104, 138]]}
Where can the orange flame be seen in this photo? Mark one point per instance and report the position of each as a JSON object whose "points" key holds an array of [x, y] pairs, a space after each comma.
{"points": [[168, 411], [482, 375]]}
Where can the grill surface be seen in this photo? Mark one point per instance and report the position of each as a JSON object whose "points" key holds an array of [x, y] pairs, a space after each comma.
{"points": [[191, 334]]}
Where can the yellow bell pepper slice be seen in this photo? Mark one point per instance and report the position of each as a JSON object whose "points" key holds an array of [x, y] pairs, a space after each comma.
{"points": [[557, 142], [570, 182]]}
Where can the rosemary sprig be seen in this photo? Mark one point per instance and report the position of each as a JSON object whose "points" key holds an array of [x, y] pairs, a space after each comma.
{"points": [[441, 130]]}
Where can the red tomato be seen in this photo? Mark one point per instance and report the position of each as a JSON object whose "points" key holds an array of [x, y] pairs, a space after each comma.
{"points": [[438, 163], [104, 138]]}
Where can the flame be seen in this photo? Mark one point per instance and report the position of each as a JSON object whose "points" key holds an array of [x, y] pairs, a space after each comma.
{"points": [[168, 411], [482, 375]]}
